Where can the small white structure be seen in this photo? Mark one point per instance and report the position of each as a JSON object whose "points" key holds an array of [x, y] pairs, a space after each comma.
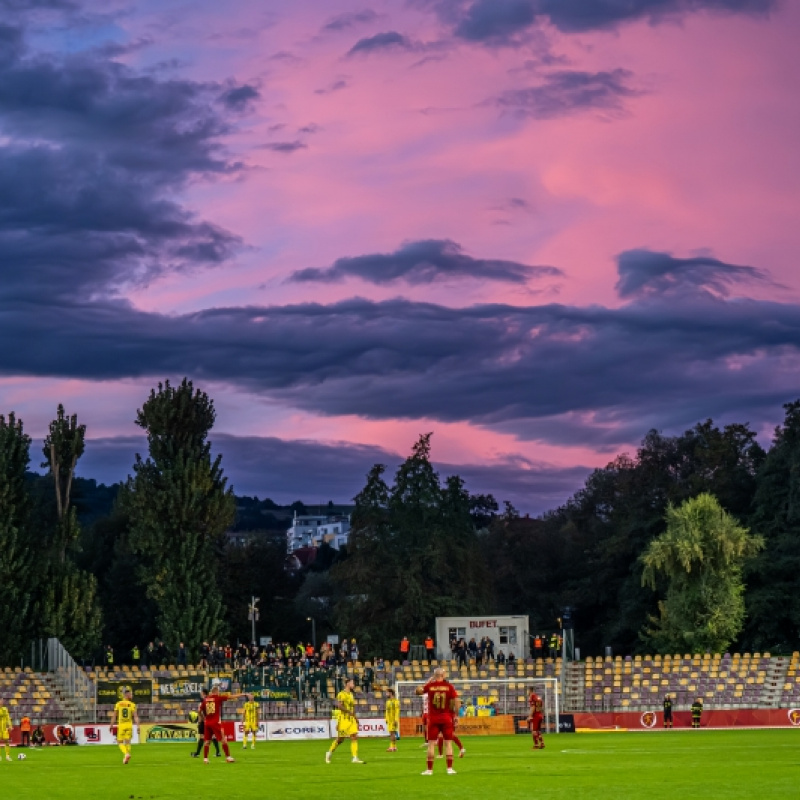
{"points": [[509, 634], [309, 530]]}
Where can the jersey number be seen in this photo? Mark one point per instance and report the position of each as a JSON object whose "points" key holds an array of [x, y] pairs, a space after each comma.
{"points": [[439, 700], [210, 709], [124, 713]]}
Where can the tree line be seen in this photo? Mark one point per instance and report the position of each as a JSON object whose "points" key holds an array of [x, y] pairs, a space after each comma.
{"points": [[692, 543]]}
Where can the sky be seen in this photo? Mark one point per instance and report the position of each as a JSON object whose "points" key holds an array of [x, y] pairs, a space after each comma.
{"points": [[536, 228]]}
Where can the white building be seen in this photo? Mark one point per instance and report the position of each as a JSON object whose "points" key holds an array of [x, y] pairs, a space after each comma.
{"points": [[509, 634], [310, 530]]}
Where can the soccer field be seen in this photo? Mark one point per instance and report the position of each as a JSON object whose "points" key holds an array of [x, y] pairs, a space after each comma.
{"points": [[679, 764]]}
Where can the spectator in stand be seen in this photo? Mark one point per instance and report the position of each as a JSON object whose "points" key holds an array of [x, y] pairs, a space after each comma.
{"points": [[430, 648], [538, 646], [228, 656], [511, 658], [405, 649], [182, 659], [135, 655], [367, 678], [472, 649], [109, 656], [481, 655], [461, 653], [489, 649], [379, 664], [554, 646], [150, 655], [501, 657], [353, 650], [162, 653]]}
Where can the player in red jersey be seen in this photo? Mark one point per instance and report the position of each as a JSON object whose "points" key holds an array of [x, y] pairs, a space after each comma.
{"points": [[442, 705], [211, 711], [456, 740], [535, 719]]}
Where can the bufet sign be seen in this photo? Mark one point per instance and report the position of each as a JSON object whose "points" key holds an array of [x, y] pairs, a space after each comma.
{"points": [[293, 730], [372, 727]]}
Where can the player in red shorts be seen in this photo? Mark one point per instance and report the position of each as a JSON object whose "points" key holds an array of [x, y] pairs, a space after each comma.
{"points": [[211, 711], [442, 705], [535, 720], [456, 740]]}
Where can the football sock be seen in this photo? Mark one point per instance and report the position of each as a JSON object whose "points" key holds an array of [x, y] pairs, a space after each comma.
{"points": [[205, 750], [225, 748], [450, 761], [354, 749], [335, 744], [457, 743], [430, 764], [123, 749]]}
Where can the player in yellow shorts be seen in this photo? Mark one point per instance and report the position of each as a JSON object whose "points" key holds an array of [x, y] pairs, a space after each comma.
{"points": [[392, 717], [5, 730], [124, 715], [347, 724], [250, 720]]}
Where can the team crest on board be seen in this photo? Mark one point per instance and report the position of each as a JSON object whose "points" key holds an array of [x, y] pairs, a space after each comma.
{"points": [[648, 719], [794, 717]]}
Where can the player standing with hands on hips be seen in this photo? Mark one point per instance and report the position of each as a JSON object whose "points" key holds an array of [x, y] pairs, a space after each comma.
{"points": [[442, 705]]}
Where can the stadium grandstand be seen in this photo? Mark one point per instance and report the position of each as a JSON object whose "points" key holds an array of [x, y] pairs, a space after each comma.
{"points": [[602, 684]]}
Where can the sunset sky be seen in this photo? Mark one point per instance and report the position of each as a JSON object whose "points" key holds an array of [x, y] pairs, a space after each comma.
{"points": [[537, 228]]}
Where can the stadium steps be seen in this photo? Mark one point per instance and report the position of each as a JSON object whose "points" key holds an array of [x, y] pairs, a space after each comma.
{"points": [[772, 691], [575, 688]]}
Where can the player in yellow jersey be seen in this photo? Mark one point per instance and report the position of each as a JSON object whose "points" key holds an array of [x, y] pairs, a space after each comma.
{"points": [[250, 719], [5, 730], [347, 724], [124, 716], [392, 716]]}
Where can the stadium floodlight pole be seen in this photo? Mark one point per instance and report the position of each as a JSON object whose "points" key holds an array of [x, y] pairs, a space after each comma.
{"points": [[252, 615], [313, 631]]}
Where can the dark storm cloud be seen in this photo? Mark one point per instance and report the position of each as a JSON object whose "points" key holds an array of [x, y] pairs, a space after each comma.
{"points": [[643, 272], [317, 472], [503, 21], [569, 91], [284, 147], [423, 262], [390, 40], [239, 97], [91, 156], [349, 19], [552, 372]]}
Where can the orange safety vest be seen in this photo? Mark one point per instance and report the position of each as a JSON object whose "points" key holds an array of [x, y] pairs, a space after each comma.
{"points": [[25, 725], [429, 643], [404, 646]]}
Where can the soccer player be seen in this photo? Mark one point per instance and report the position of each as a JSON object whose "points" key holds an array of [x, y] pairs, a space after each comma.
{"points": [[347, 723], [535, 719], [250, 719], [196, 718], [456, 740], [211, 710], [124, 716], [5, 729], [392, 716], [442, 705]]}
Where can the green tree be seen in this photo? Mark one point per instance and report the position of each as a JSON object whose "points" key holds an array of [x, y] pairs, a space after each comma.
{"points": [[179, 508], [701, 555], [69, 605], [413, 555], [772, 577], [16, 547]]}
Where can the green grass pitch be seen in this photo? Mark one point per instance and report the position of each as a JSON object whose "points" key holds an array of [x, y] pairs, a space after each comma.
{"points": [[679, 764]]}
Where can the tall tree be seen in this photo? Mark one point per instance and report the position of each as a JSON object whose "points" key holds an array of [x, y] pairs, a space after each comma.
{"points": [[179, 508], [772, 576], [69, 603], [16, 547], [701, 555], [413, 555]]}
